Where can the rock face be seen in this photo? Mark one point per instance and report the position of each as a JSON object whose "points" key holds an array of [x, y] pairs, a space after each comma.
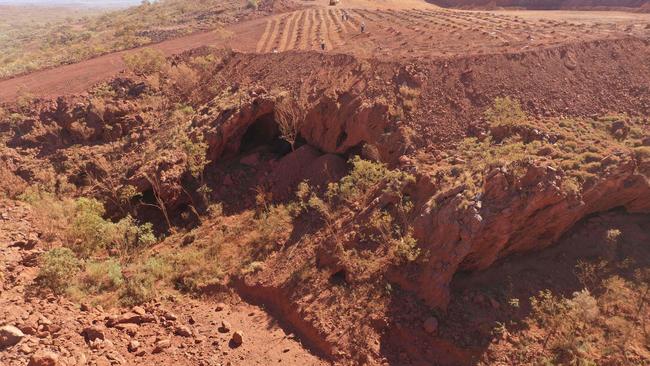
{"points": [[162, 345], [513, 216], [9, 336], [459, 230], [329, 126]]}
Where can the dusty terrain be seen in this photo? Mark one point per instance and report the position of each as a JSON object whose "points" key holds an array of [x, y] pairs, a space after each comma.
{"points": [[190, 327], [395, 31], [630, 5], [446, 187]]}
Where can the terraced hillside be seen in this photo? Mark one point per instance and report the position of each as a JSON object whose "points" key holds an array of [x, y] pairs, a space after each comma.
{"points": [[390, 33], [425, 32]]}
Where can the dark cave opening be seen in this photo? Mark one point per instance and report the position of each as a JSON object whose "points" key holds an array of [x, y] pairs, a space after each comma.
{"points": [[264, 133]]}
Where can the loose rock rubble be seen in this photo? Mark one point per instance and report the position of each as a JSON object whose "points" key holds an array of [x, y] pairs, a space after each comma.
{"points": [[47, 330]]}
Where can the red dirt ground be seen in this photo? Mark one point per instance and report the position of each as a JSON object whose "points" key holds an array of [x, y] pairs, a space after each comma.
{"points": [[394, 31], [264, 340]]}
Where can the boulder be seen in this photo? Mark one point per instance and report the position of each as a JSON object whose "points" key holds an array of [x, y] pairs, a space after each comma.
{"points": [[131, 318], [44, 358], [237, 338], [133, 346], [92, 333], [225, 327], [162, 345], [139, 310], [183, 331], [9, 336]]}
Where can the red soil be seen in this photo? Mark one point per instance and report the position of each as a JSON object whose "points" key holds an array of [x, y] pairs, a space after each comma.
{"points": [[398, 33], [264, 340], [548, 4]]}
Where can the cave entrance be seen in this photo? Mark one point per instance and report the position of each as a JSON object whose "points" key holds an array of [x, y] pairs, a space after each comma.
{"points": [[264, 133]]}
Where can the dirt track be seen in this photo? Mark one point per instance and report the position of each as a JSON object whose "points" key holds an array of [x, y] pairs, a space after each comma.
{"points": [[409, 30]]}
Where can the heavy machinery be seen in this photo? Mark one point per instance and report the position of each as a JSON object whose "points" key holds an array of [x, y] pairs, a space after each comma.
{"points": [[334, 2]]}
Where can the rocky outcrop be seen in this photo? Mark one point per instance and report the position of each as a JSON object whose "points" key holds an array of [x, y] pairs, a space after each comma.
{"points": [[512, 215], [334, 124]]}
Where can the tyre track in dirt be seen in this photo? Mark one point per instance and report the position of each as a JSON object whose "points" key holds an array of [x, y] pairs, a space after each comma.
{"points": [[422, 32], [277, 39], [312, 29], [289, 33], [324, 32], [332, 30], [261, 44], [349, 25], [268, 43], [300, 31]]}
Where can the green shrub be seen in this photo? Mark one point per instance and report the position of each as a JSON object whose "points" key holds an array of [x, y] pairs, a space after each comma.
{"points": [[145, 62], [252, 4], [194, 270], [90, 232], [367, 176], [407, 248], [272, 224], [504, 112], [59, 267], [127, 235], [157, 268], [138, 289], [196, 155], [102, 277]]}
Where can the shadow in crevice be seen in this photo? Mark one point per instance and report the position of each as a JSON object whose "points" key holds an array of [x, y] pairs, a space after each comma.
{"points": [[481, 300]]}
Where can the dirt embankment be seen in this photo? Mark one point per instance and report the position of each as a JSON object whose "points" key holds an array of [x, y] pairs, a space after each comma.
{"points": [[509, 213], [444, 97], [642, 5]]}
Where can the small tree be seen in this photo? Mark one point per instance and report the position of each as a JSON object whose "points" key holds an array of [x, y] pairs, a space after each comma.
{"points": [[289, 119], [144, 62], [156, 187]]}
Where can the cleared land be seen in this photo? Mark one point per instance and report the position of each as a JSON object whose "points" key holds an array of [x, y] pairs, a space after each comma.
{"points": [[402, 32]]}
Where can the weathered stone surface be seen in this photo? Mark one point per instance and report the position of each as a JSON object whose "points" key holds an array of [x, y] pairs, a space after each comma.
{"points": [[10, 335]]}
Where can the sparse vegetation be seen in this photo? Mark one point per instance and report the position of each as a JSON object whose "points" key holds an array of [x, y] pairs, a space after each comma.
{"points": [[136, 212], [505, 111], [99, 277], [58, 267], [145, 62], [252, 4], [61, 35], [365, 179]]}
